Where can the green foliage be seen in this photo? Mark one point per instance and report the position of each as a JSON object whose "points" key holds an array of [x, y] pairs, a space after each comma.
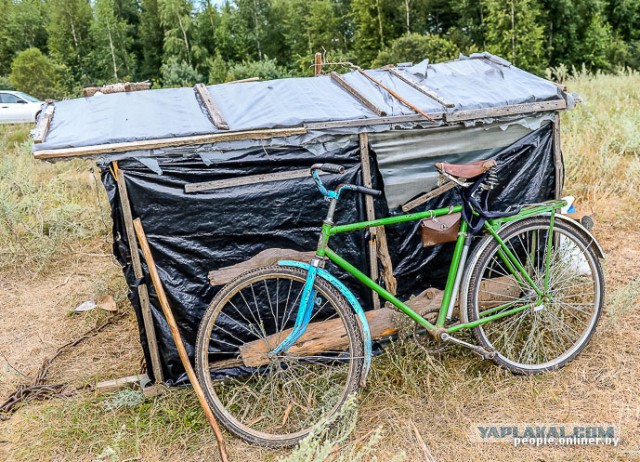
{"points": [[414, 47], [266, 69], [34, 73], [110, 56], [515, 32], [5, 83], [179, 74], [175, 41]]}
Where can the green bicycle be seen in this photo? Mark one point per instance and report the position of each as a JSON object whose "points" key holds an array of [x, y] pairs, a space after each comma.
{"points": [[282, 347]]}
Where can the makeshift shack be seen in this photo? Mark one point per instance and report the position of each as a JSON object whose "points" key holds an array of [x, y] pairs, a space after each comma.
{"points": [[218, 174]]}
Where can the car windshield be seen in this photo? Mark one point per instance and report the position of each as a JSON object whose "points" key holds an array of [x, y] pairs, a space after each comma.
{"points": [[29, 98]]}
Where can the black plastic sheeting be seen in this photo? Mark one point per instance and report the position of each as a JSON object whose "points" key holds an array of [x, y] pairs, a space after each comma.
{"points": [[526, 174], [191, 234]]}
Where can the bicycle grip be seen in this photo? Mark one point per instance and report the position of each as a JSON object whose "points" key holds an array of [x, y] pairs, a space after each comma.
{"points": [[329, 168], [368, 191]]}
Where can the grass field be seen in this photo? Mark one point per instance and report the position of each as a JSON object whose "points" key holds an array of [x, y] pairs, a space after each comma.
{"points": [[55, 254]]}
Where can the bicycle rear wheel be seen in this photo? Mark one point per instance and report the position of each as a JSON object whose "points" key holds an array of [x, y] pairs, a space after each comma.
{"points": [[556, 325], [274, 400]]}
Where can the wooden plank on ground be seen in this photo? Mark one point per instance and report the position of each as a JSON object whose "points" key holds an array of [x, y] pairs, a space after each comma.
{"points": [[265, 258], [168, 143], [44, 122], [143, 291], [337, 78], [504, 111], [109, 386], [420, 87], [330, 335], [245, 180], [215, 114]]}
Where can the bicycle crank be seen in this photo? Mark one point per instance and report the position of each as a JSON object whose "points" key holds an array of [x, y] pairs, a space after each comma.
{"points": [[482, 352]]}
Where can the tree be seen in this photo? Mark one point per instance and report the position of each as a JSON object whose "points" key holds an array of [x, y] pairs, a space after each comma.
{"points": [[111, 57], [69, 34], [515, 32], [179, 74], [22, 27], [377, 23], [151, 38], [34, 73], [416, 47], [177, 21]]}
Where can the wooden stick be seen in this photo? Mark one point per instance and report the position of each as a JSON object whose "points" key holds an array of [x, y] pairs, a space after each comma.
{"points": [[506, 111], [42, 129], [215, 114], [173, 326], [337, 78], [557, 157], [245, 180], [397, 96], [428, 457], [168, 142], [143, 293], [365, 161], [318, 64], [421, 88], [428, 196]]}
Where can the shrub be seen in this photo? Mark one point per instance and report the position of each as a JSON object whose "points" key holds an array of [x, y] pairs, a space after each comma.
{"points": [[34, 73], [416, 47]]}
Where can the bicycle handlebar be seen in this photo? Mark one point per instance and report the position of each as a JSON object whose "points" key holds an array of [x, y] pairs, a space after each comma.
{"points": [[329, 168], [364, 190]]}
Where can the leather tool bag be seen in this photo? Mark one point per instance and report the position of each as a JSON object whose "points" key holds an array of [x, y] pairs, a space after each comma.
{"points": [[440, 230]]}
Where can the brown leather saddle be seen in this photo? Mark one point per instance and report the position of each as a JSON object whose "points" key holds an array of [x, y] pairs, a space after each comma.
{"points": [[466, 171]]}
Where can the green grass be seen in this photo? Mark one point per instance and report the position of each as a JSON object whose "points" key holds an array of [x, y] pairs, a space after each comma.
{"points": [[47, 211]]}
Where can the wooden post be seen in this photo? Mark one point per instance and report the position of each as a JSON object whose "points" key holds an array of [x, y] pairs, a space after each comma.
{"points": [[318, 64], [557, 156], [143, 293], [173, 326], [365, 161]]}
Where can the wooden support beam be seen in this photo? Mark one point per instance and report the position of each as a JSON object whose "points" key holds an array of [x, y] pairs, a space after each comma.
{"points": [[337, 78], [421, 88], [245, 180], [330, 335], [397, 96], [143, 292], [109, 386], [214, 112], [168, 143], [557, 157], [505, 111], [318, 64], [372, 121], [265, 258], [365, 161], [44, 122], [428, 196]]}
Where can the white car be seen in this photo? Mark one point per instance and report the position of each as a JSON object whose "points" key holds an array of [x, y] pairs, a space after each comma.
{"points": [[17, 107]]}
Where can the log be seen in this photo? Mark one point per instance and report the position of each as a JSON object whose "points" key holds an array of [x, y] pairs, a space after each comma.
{"points": [[330, 335], [265, 258], [117, 88]]}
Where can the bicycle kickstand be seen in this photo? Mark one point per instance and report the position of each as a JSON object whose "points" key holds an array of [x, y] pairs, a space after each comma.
{"points": [[482, 352]]}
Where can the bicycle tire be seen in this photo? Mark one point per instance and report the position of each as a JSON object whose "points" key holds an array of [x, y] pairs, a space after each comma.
{"points": [[574, 267], [339, 371]]}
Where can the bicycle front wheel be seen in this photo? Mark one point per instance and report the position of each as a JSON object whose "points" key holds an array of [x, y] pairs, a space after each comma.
{"points": [[553, 325], [268, 399]]}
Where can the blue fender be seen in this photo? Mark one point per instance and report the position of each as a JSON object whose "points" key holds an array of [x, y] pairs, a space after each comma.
{"points": [[353, 301]]}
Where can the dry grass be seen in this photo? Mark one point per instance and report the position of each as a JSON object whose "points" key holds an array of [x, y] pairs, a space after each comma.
{"points": [[441, 396]]}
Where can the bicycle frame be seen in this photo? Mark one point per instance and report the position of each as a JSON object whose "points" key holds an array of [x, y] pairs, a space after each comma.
{"points": [[456, 269]]}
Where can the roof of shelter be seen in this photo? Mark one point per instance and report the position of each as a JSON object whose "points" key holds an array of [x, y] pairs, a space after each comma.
{"points": [[469, 88]]}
